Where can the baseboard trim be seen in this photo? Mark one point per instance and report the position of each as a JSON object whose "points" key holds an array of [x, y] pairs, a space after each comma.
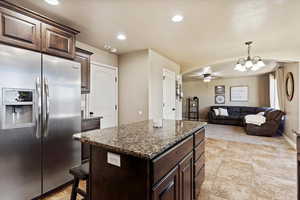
{"points": [[291, 142]]}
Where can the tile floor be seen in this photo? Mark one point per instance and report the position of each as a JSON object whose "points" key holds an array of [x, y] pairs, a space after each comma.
{"points": [[241, 167]]}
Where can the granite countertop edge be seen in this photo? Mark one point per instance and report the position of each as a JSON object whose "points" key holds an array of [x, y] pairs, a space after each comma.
{"points": [[141, 155]]}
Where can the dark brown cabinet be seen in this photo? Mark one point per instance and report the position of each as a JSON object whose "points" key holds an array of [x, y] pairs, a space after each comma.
{"points": [[19, 30], [186, 178], [199, 161], [57, 41], [168, 188], [84, 58], [168, 176], [27, 29]]}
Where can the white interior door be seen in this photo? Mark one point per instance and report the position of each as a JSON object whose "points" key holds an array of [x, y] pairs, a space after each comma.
{"points": [[103, 96], [169, 96]]}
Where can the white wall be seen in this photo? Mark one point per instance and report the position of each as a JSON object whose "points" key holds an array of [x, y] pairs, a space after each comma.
{"points": [[141, 85], [133, 87], [258, 92], [157, 63], [292, 107]]}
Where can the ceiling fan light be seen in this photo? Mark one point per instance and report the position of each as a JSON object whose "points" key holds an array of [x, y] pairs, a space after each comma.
{"points": [[260, 63], [206, 80]]}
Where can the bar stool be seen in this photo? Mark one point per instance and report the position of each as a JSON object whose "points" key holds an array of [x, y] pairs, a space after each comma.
{"points": [[80, 172]]}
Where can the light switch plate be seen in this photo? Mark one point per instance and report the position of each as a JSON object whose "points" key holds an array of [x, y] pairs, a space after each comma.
{"points": [[114, 159]]}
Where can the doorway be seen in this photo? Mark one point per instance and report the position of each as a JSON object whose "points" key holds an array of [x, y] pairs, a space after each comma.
{"points": [[169, 95], [104, 94]]}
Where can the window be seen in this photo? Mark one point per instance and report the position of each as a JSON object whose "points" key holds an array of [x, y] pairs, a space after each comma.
{"points": [[273, 92]]}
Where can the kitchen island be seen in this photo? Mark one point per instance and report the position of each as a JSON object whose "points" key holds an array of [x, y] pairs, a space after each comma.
{"points": [[139, 162]]}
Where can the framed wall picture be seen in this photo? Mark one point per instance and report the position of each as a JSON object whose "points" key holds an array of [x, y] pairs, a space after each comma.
{"points": [[220, 99], [220, 89], [239, 93]]}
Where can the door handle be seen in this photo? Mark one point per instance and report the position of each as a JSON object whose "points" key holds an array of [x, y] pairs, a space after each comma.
{"points": [[47, 107], [173, 109], [38, 104]]}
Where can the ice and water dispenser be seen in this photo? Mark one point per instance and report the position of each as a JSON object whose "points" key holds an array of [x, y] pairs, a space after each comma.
{"points": [[17, 108]]}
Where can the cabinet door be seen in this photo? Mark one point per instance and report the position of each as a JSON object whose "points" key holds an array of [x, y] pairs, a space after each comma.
{"points": [[83, 57], [186, 178], [58, 42], [19, 30], [168, 188]]}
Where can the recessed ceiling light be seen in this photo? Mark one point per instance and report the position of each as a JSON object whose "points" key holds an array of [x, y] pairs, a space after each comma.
{"points": [[52, 2], [113, 50], [177, 18], [121, 36]]}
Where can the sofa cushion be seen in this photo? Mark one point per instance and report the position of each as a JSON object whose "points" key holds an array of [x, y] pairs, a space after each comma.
{"points": [[234, 110], [248, 110]]}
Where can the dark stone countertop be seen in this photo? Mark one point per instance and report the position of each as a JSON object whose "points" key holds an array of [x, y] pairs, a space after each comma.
{"points": [[140, 139]]}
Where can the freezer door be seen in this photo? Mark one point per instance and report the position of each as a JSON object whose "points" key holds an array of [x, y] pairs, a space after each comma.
{"points": [[61, 100], [20, 141]]}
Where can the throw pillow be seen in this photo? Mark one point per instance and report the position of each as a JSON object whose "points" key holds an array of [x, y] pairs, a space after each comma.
{"points": [[217, 112], [223, 112]]}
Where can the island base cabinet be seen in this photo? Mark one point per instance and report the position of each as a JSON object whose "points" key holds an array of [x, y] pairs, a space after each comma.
{"points": [[168, 176], [168, 188], [186, 178], [128, 181]]}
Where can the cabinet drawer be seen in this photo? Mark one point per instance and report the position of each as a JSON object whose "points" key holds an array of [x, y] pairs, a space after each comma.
{"points": [[199, 164], [199, 150], [19, 30], [199, 136], [164, 163], [199, 179], [58, 42]]}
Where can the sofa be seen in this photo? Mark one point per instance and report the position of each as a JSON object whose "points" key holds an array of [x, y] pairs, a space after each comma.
{"points": [[236, 116]]}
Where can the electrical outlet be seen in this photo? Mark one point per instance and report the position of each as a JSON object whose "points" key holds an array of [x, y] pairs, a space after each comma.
{"points": [[140, 112]]}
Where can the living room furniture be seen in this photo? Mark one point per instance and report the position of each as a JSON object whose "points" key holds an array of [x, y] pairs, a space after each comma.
{"points": [[193, 108], [270, 128], [236, 115]]}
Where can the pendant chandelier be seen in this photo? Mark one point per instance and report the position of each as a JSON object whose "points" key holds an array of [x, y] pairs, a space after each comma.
{"points": [[247, 64]]}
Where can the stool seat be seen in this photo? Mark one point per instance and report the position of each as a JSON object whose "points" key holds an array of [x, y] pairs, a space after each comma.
{"points": [[81, 171]]}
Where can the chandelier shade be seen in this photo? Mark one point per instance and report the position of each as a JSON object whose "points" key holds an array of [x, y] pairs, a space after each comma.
{"points": [[249, 63]]}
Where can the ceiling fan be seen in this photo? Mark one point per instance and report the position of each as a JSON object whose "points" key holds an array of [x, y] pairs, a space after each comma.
{"points": [[207, 75]]}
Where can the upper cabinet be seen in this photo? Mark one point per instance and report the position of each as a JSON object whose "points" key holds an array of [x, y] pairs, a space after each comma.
{"points": [[57, 41], [84, 58], [19, 30], [24, 28]]}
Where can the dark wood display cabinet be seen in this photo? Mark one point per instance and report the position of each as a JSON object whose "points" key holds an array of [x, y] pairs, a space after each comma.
{"points": [[84, 58], [24, 28]]}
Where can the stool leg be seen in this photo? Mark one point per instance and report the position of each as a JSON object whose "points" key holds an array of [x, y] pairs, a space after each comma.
{"points": [[74, 189], [88, 189]]}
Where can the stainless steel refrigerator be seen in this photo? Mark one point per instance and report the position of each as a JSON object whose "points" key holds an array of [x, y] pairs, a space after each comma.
{"points": [[39, 113]]}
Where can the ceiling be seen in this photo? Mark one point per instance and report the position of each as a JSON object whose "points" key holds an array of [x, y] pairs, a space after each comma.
{"points": [[226, 70], [212, 30]]}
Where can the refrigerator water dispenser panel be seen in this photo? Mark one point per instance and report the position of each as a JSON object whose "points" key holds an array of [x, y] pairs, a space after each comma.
{"points": [[17, 108]]}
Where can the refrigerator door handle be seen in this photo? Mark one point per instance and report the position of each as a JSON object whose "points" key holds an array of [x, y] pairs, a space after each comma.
{"points": [[47, 96], [38, 108]]}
